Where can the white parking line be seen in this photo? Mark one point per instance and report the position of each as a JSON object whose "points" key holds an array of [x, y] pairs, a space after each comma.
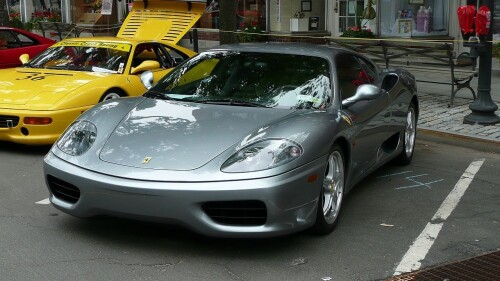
{"points": [[45, 201], [418, 250]]}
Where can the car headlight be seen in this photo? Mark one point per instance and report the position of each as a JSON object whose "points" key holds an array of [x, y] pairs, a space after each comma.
{"points": [[78, 138], [262, 155]]}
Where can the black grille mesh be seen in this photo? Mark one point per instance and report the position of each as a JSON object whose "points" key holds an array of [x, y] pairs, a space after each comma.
{"points": [[63, 190], [237, 213]]}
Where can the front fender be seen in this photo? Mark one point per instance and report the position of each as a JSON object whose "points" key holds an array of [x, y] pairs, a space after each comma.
{"points": [[105, 116]]}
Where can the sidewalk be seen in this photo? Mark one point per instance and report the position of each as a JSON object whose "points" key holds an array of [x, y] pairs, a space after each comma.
{"points": [[439, 122]]}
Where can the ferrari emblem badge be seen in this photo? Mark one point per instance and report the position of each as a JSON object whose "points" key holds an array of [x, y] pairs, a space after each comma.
{"points": [[146, 160]]}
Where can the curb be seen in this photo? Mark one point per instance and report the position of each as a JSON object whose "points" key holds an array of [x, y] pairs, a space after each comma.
{"points": [[481, 144]]}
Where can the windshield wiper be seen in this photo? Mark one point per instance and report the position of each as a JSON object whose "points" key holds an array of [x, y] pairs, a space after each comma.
{"points": [[158, 95], [66, 67], [229, 101], [56, 67]]}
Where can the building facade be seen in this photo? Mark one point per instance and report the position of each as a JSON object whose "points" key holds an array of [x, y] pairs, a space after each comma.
{"points": [[415, 19], [386, 18], [436, 19], [90, 12]]}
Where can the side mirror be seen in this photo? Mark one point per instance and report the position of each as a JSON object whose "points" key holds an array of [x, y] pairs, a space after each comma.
{"points": [[145, 65], [147, 79], [364, 92], [24, 58]]}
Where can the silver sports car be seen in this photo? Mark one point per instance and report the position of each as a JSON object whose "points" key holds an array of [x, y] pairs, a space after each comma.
{"points": [[240, 141]]}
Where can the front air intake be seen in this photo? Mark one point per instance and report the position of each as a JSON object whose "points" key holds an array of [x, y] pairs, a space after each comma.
{"points": [[237, 213], [62, 190]]}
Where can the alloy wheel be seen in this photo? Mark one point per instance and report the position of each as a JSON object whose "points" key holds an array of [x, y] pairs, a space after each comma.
{"points": [[410, 132], [110, 96], [333, 187]]}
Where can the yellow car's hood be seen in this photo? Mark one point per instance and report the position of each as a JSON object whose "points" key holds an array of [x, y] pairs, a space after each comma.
{"points": [[40, 87]]}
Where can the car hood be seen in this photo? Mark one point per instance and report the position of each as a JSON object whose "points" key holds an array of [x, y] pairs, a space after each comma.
{"points": [[23, 86], [166, 135], [166, 21]]}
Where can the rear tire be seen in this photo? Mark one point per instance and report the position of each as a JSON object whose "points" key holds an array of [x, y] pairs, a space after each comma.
{"points": [[332, 193], [409, 138], [111, 94]]}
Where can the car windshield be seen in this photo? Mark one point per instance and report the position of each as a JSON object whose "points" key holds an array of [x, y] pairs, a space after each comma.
{"points": [[84, 56], [250, 79]]}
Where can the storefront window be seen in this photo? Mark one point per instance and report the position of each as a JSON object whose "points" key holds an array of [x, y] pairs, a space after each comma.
{"points": [[89, 13], [350, 14], [413, 18], [252, 13]]}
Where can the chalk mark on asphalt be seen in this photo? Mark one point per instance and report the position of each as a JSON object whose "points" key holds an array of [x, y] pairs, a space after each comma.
{"points": [[395, 174], [45, 201], [418, 250], [417, 183]]}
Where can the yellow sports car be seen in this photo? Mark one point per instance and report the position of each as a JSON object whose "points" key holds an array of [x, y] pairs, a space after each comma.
{"points": [[39, 100]]}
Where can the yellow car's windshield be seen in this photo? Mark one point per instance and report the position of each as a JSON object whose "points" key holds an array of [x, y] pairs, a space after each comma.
{"points": [[84, 57]]}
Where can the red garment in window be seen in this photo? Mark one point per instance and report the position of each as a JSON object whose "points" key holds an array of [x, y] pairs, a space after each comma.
{"points": [[363, 78]]}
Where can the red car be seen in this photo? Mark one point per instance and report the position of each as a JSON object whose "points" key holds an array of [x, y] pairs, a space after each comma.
{"points": [[15, 42]]}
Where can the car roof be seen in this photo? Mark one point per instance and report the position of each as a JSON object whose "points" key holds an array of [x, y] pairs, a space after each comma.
{"points": [[285, 48]]}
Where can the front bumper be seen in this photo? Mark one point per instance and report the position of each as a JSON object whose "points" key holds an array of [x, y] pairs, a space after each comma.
{"points": [[290, 199], [36, 134]]}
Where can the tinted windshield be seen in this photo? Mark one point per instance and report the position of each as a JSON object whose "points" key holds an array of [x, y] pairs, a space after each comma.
{"points": [[262, 79], [84, 56]]}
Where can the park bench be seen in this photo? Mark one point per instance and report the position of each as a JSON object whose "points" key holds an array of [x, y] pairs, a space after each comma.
{"points": [[435, 62], [52, 29]]}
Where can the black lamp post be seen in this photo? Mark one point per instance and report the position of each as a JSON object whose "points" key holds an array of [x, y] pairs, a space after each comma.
{"points": [[483, 108]]}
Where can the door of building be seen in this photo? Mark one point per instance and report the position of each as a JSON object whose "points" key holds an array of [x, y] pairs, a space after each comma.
{"points": [[346, 13]]}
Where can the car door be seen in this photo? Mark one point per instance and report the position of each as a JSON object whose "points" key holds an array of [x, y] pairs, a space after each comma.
{"points": [[369, 117]]}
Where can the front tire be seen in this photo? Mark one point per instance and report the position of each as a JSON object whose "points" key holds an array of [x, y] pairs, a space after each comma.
{"points": [[410, 136], [111, 94], [332, 193]]}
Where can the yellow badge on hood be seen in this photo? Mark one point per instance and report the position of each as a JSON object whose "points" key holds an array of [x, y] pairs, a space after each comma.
{"points": [[146, 160]]}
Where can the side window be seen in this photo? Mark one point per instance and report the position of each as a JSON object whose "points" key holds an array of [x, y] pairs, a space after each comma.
{"points": [[349, 75], [8, 40], [153, 52], [177, 56], [163, 57], [370, 71], [25, 40]]}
